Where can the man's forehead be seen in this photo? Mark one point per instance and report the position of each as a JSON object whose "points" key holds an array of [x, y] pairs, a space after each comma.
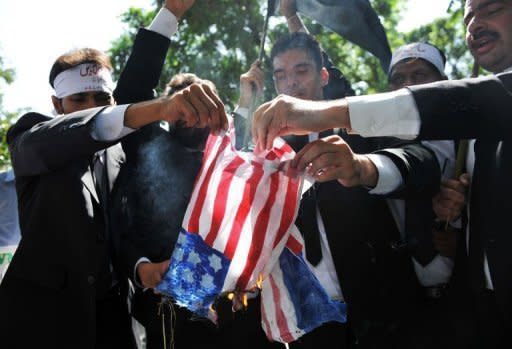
{"points": [[472, 5], [411, 63], [292, 58], [90, 93]]}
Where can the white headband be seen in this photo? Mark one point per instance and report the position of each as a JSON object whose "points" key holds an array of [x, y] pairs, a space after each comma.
{"points": [[83, 78], [418, 50]]}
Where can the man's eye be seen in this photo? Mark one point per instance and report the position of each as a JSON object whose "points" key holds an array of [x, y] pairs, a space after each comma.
{"points": [[397, 80], [102, 98], [279, 77], [492, 9]]}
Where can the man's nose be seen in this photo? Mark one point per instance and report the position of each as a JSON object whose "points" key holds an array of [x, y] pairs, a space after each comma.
{"points": [[475, 25], [91, 102]]}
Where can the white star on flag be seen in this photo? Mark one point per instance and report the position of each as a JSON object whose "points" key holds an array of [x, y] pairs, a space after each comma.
{"points": [[178, 254], [207, 282], [215, 262], [193, 258], [188, 277]]}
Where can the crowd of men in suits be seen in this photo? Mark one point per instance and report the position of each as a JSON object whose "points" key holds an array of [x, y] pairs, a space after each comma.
{"points": [[417, 251]]}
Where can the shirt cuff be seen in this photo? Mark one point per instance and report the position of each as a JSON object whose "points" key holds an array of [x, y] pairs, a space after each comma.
{"points": [[390, 177], [242, 111], [385, 114], [136, 279], [109, 124], [165, 23]]}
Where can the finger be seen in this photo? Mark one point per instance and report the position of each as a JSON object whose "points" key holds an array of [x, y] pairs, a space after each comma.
{"points": [[164, 266], [464, 179], [187, 113], [328, 174], [219, 119], [200, 106], [259, 125], [447, 194], [273, 131], [454, 185], [324, 161], [311, 152]]}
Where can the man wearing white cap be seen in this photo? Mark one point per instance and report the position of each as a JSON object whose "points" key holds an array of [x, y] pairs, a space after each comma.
{"points": [[432, 250], [64, 288]]}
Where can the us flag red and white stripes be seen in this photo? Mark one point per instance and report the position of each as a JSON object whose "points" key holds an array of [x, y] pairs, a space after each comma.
{"points": [[243, 206]]}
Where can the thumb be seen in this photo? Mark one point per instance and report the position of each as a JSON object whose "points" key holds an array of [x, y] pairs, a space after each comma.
{"points": [[464, 179]]}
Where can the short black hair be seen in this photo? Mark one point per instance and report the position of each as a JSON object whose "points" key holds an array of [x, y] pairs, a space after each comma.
{"points": [[300, 41]]}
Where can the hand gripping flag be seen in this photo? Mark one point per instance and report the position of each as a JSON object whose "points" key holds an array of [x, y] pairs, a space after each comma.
{"points": [[237, 230]]}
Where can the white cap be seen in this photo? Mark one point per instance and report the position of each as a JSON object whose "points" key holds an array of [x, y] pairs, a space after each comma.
{"points": [[418, 50]]}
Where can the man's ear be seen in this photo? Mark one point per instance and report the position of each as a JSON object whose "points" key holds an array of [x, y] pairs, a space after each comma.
{"points": [[324, 74], [57, 105]]}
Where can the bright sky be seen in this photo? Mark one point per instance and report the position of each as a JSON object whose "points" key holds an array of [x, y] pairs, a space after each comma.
{"points": [[34, 33]]}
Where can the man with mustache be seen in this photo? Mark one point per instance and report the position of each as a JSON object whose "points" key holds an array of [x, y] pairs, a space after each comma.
{"points": [[473, 108]]}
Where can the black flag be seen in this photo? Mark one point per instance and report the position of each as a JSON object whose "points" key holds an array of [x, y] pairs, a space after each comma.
{"points": [[355, 20]]}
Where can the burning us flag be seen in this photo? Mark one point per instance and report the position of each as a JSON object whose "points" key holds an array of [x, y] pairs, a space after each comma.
{"points": [[239, 228]]}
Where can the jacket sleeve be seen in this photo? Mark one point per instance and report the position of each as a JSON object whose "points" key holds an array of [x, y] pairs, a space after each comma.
{"points": [[418, 165], [40, 144], [465, 109], [142, 71]]}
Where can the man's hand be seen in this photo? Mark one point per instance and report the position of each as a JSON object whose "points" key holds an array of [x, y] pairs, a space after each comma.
{"points": [[331, 158], [150, 274], [286, 115], [449, 202], [251, 85], [445, 242], [288, 8], [178, 7], [194, 106]]}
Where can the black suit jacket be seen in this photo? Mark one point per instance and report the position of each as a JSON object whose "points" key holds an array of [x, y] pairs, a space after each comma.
{"points": [[54, 272], [371, 261], [480, 108], [50, 287]]}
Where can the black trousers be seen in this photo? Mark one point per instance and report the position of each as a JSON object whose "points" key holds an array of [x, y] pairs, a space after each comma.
{"points": [[336, 334], [167, 324], [113, 322], [492, 330]]}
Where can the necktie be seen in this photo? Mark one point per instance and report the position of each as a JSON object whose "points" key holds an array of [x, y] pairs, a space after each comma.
{"points": [[418, 227], [306, 219], [100, 179], [308, 225]]}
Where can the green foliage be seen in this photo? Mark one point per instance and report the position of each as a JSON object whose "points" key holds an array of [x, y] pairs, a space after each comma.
{"points": [[218, 50], [219, 39], [6, 118]]}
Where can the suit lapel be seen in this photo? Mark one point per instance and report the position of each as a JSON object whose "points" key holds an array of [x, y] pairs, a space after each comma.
{"points": [[88, 181], [114, 158]]}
